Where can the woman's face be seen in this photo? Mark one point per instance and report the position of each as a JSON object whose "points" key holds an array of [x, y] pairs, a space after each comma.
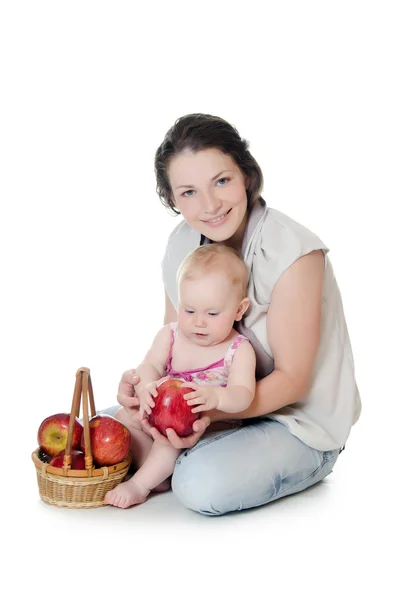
{"points": [[210, 192]]}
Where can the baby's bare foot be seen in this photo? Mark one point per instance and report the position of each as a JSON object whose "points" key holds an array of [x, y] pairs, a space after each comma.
{"points": [[127, 494]]}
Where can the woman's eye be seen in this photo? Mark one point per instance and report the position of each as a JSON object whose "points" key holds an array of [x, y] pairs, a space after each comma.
{"points": [[187, 194], [224, 180]]}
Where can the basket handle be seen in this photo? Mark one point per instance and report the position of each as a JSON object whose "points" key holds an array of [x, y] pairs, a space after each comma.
{"points": [[83, 387]]}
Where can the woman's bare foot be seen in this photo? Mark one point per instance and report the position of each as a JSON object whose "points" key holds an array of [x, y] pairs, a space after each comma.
{"points": [[127, 494]]}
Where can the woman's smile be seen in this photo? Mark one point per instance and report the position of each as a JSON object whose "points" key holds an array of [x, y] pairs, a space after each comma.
{"points": [[216, 221]]}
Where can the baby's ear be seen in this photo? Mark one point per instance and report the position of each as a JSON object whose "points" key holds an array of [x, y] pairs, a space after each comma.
{"points": [[242, 308]]}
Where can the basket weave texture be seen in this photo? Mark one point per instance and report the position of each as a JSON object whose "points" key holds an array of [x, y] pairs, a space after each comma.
{"points": [[85, 488]]}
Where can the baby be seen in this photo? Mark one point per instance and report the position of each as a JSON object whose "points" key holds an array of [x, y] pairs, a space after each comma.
{"points": [[203, 349]]}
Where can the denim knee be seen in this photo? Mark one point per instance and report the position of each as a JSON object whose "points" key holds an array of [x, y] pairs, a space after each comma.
{"points": [[200, 488], [203, 489]]}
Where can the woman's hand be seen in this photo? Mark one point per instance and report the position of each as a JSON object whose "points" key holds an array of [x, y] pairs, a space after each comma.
{"points": [[126, 395], [173, 438]]}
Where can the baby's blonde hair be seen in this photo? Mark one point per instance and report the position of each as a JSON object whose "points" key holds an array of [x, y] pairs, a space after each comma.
{"points": [[215, 258]]}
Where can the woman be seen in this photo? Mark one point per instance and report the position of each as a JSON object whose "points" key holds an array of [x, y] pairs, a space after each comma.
{"points": [[306, 398]]}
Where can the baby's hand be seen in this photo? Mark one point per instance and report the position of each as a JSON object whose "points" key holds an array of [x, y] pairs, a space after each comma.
{"points": [[146, 395], [205, 397]]}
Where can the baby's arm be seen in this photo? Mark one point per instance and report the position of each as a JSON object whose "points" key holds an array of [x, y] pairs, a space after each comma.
{"points": [[241, 384], [153, 365], [240, 389]]}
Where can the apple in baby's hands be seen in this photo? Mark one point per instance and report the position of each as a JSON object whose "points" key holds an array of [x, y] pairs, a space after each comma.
{"points": [[53, 433], [77, 456], [171, 410], [110, 440]]}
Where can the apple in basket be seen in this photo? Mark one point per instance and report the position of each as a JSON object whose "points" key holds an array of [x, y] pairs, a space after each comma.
{"points": [[110, 440], [171, 409], [77, 456], [53, 433]]}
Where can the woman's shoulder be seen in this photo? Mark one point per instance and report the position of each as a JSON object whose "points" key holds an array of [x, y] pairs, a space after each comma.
{"points": [[181, 235], [278, 243], [282, 233], [182, 226], [282, 240], [182, 240]]}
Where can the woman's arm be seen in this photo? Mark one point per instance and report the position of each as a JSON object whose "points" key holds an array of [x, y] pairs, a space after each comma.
{"points": [[293, 327]]}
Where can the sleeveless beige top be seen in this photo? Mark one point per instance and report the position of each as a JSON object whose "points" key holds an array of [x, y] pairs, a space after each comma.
{"points": [[272, 242]]}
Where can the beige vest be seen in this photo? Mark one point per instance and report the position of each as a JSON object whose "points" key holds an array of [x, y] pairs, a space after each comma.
{"points": [[272, 242]]}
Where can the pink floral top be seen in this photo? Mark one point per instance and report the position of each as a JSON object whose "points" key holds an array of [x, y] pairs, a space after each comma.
{"points": [[215, 374]]}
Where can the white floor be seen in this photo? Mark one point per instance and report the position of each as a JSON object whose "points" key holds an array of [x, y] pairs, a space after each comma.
{"points": [[334, 540]]}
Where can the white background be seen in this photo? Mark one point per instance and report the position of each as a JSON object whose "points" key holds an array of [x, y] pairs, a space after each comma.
{"points": [[88, 91]]}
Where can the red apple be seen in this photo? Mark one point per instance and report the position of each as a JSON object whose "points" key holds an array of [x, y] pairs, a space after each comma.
{"points": [[53, 433], [110, 440], [171, 410], [78, 461]]}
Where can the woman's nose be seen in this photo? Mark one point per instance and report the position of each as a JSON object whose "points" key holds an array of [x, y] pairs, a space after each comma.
{"points": [[211, 204]]}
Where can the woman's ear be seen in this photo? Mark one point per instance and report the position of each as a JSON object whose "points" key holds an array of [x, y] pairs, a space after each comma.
{"points": [[242, 308]]}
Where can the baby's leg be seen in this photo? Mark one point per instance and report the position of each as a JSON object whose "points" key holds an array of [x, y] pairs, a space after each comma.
{"points": [[141, 442], [158, 466]]}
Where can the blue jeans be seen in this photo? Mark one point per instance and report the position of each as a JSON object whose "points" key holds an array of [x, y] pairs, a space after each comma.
{"points": [[247, 466]]}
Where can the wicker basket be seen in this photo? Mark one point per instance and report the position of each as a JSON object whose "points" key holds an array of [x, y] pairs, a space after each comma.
{"points": [[86, 488]]}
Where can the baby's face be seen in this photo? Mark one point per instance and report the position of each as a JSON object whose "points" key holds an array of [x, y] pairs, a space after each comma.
{"points": [[207, 308]]}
